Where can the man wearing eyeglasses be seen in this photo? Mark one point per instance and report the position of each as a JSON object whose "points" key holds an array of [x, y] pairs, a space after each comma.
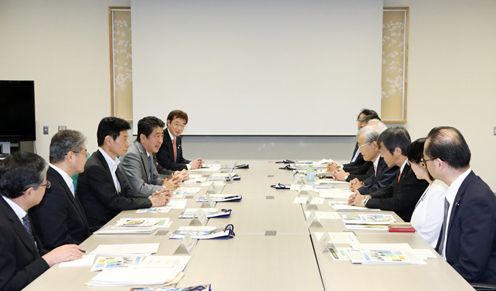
{"points": [[60, 219], [22, 186], [170, 155], [468, 236], [405, 191]]}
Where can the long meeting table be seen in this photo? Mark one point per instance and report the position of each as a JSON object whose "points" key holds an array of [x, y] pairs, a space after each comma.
{"points": [[273, 249]]}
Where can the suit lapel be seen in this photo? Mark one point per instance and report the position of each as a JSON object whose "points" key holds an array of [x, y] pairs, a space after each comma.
{"points": [[144, 160], [55, 177], [457, 201]]}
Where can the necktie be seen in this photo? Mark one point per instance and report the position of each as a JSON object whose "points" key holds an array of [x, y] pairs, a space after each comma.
{"points": [[150, 163], [27, 225], [174, 149], [442, 235], [399, 177]]}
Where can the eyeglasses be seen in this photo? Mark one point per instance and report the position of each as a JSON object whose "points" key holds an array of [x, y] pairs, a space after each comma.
{"points": [[360, 146], [47, 185], [423, 160]]}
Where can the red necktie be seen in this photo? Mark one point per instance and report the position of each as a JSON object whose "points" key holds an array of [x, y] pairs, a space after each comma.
{"points": [[174, 148], [399, 176]]}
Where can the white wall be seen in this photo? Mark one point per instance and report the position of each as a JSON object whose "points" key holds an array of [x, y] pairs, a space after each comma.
{"points": [[64, 46], [452, 73]]}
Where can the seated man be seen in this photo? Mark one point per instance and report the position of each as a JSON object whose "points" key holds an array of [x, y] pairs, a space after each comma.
{"points": [[138, 164], [170, 155], [380, 175], [22, 186], [103, 188], [468, 235], [60, 219], [402, 196], [357, 164]]}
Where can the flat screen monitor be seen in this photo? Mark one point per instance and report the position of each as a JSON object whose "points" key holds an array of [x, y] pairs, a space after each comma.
{"points": [[17, 114]]}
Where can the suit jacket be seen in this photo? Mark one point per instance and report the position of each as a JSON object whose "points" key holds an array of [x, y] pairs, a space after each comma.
{"points": [[165, 156], [20, 262], [354, 166], [399, 197], [135, 166], [471, 238], [101, 200], [383, 177], [59, 219], [361, 172]]}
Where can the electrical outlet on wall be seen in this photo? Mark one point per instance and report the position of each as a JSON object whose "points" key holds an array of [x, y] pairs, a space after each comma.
{"points": [[45, 129], [62, 127]]}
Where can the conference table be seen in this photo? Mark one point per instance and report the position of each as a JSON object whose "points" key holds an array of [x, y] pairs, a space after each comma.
{"points": [[274, 248]]}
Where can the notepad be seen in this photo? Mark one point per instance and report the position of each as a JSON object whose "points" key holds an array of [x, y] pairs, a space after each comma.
{"points": [[368, 218]]}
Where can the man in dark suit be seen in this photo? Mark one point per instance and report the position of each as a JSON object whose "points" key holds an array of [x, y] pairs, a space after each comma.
{"points": [[468, 235], [102, 187], [380, 175], [60, 219], [22, 186], [357, 164], [170, 155], [405, 191]]}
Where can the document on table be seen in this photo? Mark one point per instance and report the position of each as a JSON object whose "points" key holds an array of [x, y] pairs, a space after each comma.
{"points": [[125, 249], [368, 218], [219, 197], [84, 261], [177, 203], [386, 253], [161, 209], [134, 276], [208, 168], [200, 232], [136, 225], [209, 212]]}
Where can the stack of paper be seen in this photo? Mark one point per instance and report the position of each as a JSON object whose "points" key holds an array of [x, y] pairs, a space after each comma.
{"points": [[125, 249], [385, 254], [368, 218], [209, 212], [208, 168], [134, 276], [199, 232], [136, 226], [219, 197]]}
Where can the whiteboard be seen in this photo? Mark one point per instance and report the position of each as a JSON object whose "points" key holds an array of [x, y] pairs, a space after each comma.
{"points": [[253, 67]]}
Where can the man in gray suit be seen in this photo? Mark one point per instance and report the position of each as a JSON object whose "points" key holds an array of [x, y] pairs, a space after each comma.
{"points": [[139, 165]]}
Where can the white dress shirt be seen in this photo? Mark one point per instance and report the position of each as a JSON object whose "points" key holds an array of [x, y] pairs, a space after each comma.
{"points": [[66, 177], [427, 218], [376, 163], [450, 196], [112, 164]]}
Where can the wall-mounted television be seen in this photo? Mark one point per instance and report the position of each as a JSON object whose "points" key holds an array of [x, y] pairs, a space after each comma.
{"points": [[17, 114]]}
